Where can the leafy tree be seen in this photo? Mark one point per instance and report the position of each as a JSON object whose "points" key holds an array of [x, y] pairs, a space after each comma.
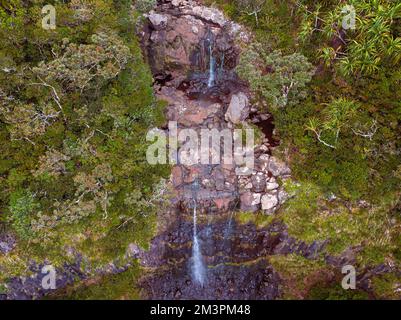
{"points": [[276, 79], [81, 66], [22, 207], [52, 163], [27, 120]]}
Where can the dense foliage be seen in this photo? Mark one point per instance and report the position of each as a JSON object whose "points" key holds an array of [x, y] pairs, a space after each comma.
{"points": [[276, 80], [342, 137], [76, 104]]}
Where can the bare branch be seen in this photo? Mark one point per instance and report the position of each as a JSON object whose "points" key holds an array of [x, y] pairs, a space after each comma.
{"points": [[368, 134], [55, 95], [319, 137]]}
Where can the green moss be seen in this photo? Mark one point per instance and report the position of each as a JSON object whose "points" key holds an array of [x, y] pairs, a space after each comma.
{"points": [[336, 292], [387, 286], [260, 219], [22, 206], [275, 17], [311, 217], [298, 273], [3, 288], [122, 286]]}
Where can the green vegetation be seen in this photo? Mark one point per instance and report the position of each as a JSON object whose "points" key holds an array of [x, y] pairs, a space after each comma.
{"points": [[76, 104], [341, 133], [120, 286], [276, 80], [311, 216], [299, 274], [335, 292], [21, 207], [259, 219], [375, 37], [337, 131], [387, 286]]}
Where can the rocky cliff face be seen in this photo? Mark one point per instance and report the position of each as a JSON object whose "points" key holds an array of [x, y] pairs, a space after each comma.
{"points": [[193, 51], [188, 45]]}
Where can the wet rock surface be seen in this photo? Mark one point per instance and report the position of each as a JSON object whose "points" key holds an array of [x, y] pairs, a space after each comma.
{"points": [[195, 102], [31, 287], [236, 256], [248, 282], [195, 53]]}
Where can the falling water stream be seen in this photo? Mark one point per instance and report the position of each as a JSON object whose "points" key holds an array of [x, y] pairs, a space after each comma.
{"points": [[198, 267], [212, 65]]}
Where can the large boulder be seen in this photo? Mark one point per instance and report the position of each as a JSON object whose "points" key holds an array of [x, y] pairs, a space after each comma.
{"points": [[177, 39], [238, 109], [250, 201], [172, 43], [209, 14], [177, 176], [278, 168], [269, 202], [178, 3], [158, 21], [258, 182], [272, 185], [262, 162], [188, 113]]}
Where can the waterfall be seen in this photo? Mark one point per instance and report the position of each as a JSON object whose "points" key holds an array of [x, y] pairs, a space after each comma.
{"points": [[212, 64], [198, 268]]}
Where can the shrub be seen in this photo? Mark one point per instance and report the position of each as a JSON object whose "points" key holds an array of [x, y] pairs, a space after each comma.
{"points": [[22, 206], [145, 5], [276, 79]]}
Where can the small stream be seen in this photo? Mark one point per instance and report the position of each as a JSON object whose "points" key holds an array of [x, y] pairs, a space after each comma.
{"points": [[212, 64], [198, 267]]}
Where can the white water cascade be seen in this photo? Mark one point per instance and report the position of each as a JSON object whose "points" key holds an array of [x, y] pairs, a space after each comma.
{"points": [[212, 65], [198, 268]]}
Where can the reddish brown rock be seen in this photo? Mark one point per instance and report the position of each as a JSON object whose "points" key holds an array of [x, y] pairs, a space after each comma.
{"points": [[176, 176], [250, 202], [222, 204], [192, 174]]}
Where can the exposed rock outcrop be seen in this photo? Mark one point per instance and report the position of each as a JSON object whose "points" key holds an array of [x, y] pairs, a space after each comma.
{"points": [[269, 202], [193, 58], [238, 110], [179, 37], [235, 255]]}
